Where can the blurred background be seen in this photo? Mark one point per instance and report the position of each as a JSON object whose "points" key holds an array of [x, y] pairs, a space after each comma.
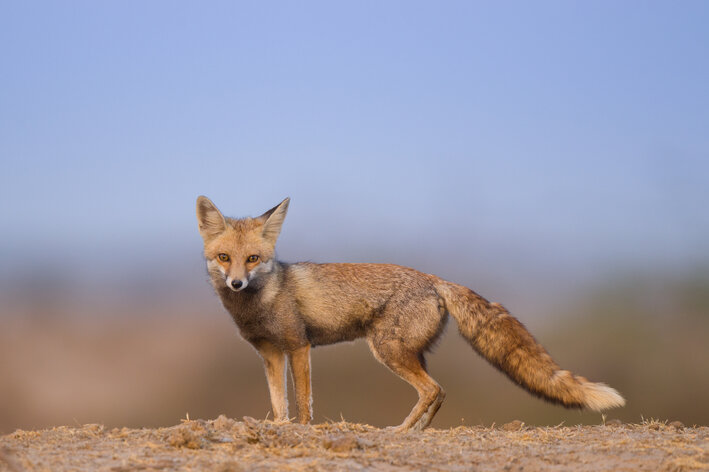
{"points": [[553, 156]]}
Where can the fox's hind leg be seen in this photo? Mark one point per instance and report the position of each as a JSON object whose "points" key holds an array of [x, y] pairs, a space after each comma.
{"points": [[408, 366], [410, 325]]}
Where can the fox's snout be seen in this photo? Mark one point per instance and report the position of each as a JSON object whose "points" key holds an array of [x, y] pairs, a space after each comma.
{"points": [[236, 284]]}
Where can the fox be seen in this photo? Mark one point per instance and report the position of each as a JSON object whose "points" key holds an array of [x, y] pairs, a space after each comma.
{"points": [[285, 309]]}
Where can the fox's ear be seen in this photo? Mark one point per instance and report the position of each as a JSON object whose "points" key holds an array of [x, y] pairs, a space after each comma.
{"points": [[211, 221], [273, 220]]}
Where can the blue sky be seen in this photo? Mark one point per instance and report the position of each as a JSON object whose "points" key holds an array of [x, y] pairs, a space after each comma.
{"points": [[573, 134]]}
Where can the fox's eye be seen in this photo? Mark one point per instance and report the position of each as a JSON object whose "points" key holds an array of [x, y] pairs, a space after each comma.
{"points": [[252, 258], [223, 257]]}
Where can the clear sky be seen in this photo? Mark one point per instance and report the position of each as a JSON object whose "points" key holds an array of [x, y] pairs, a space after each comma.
{"points": [[575, 133]]}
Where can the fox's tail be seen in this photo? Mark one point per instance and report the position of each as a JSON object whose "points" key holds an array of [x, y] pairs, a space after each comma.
{"points": [[505, 343]]}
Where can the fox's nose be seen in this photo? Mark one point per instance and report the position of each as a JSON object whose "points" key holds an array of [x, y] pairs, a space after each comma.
{"points": [[237, 284]]}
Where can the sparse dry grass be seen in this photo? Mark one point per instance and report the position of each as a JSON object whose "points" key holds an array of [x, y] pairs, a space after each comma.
{"points": [[224, 444]]}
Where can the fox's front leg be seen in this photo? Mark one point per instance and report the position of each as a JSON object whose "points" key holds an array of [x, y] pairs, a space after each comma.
{"points": [[300, 370], [274, 362]]}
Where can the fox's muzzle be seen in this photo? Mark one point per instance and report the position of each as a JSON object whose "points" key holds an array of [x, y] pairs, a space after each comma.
{"points": [[236, 284]]}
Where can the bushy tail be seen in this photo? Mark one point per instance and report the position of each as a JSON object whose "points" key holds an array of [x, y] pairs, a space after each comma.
{"points": [[505, 343]]}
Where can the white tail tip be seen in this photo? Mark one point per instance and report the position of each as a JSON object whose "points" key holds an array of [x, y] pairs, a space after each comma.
{"points": [[599, 396]]}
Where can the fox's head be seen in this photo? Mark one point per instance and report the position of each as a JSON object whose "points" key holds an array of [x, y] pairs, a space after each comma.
{"points": [[239, 250]]}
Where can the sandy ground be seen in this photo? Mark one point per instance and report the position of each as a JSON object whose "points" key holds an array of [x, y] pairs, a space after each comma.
{"points": [[228, 445]]}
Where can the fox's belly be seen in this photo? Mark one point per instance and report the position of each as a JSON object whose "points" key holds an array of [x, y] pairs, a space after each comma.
{"points": [[321, 336], [335, 327]]}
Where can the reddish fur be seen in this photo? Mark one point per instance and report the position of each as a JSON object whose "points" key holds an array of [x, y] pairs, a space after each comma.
{"points": [[287, 308]]}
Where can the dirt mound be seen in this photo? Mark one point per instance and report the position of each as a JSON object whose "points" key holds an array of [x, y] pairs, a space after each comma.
{"points": [[228, 445]]}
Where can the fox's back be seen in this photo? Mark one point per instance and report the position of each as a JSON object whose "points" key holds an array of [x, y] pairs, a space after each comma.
{"points": [[340, 301]]}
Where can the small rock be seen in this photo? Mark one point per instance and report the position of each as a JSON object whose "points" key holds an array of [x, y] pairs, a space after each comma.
{"points": [[614, 422], [190, 435], [343, 443], [94, 428], [515, 425], [229, 467], [678, 425], [365, 443], [252, 422], [223, 423]]}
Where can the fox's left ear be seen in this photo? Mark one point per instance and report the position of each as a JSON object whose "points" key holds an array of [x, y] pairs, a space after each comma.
{"points": [[273, 220]]}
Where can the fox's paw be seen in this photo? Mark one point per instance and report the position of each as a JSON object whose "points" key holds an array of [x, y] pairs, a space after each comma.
{"points": [[279, 421], [396, 429]]}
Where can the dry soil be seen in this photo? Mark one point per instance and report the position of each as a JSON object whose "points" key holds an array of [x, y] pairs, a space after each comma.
{"points": [[228, 445]]}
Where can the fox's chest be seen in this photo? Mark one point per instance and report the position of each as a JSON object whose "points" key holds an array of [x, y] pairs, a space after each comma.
{"points": [[245, 308], [258, 320]]}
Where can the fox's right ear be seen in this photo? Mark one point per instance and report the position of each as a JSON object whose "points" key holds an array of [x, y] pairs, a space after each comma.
{"points": [[210, 219]]}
